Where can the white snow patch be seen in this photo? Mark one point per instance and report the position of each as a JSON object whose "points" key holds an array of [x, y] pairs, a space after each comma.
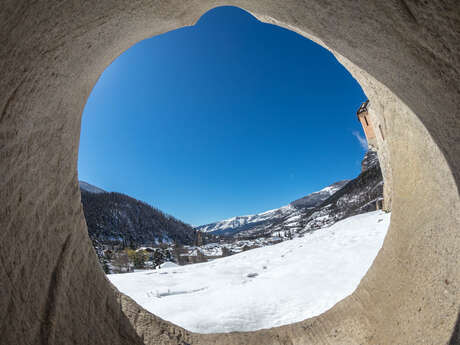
{"points": [[90, 188], [168, 264], [264, 287]]}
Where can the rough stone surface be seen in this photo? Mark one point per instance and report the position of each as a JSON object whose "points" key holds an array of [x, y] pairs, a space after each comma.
{"points": [[404, 53]]}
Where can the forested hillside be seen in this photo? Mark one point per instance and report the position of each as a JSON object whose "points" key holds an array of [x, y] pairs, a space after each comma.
{"points": [[116, 218]]}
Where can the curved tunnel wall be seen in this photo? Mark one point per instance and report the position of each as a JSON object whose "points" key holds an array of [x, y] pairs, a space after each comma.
{"points": [[405, 54]]}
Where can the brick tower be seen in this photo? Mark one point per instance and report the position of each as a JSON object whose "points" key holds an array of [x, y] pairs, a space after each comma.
{"points": [[363, 117]]}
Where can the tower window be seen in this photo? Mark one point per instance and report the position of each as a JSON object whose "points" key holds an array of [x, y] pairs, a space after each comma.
{"points": [[365, 119]]}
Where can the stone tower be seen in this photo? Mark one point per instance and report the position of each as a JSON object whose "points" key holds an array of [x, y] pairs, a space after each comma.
{"points": [[363, 117]]}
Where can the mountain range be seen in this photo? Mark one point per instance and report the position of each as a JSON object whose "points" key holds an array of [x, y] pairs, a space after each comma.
{"points": [[238, 224], [118, 218], [323, 208]]}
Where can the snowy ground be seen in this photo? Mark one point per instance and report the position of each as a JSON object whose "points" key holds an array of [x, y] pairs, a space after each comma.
{"points": [[263, 287]]}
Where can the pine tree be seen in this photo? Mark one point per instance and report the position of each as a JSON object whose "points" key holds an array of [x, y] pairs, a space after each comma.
{"points": [[106, 267], [139, 259], [158, 258], [226, 251]]}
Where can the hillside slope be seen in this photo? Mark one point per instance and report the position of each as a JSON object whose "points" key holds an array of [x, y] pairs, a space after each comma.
{"points": [[335, 202], [265, 287], [119, 219]]}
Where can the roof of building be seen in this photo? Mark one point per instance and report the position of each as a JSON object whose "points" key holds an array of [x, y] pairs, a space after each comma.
{"points": [[362, 108]]}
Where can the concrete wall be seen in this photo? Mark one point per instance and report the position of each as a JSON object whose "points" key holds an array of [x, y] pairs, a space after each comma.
{"points": [[379, 114], [404, 53]]}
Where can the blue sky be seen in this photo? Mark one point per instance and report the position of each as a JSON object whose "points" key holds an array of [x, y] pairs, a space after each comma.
{"points": [[225, 118]]}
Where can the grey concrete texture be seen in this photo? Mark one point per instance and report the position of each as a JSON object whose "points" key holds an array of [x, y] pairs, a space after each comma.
{"points": [[404, 53]]}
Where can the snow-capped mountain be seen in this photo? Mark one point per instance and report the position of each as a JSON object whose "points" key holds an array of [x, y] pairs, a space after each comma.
{"points": [[90, 188], [117, 217], [314, 199], [250, 222], [240, 223], [323, 208]]}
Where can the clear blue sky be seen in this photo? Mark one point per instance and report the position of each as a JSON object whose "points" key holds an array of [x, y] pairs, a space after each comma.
{"points": [[225, 118]]}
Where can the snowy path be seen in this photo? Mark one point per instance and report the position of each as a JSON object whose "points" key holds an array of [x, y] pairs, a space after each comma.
{"points": [[264, 287]]}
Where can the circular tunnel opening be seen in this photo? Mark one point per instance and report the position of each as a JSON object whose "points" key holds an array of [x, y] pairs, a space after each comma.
{"points": [[216, 124]]}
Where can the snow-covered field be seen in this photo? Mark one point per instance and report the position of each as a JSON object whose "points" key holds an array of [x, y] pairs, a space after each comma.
{"points": [[264, 287]]}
